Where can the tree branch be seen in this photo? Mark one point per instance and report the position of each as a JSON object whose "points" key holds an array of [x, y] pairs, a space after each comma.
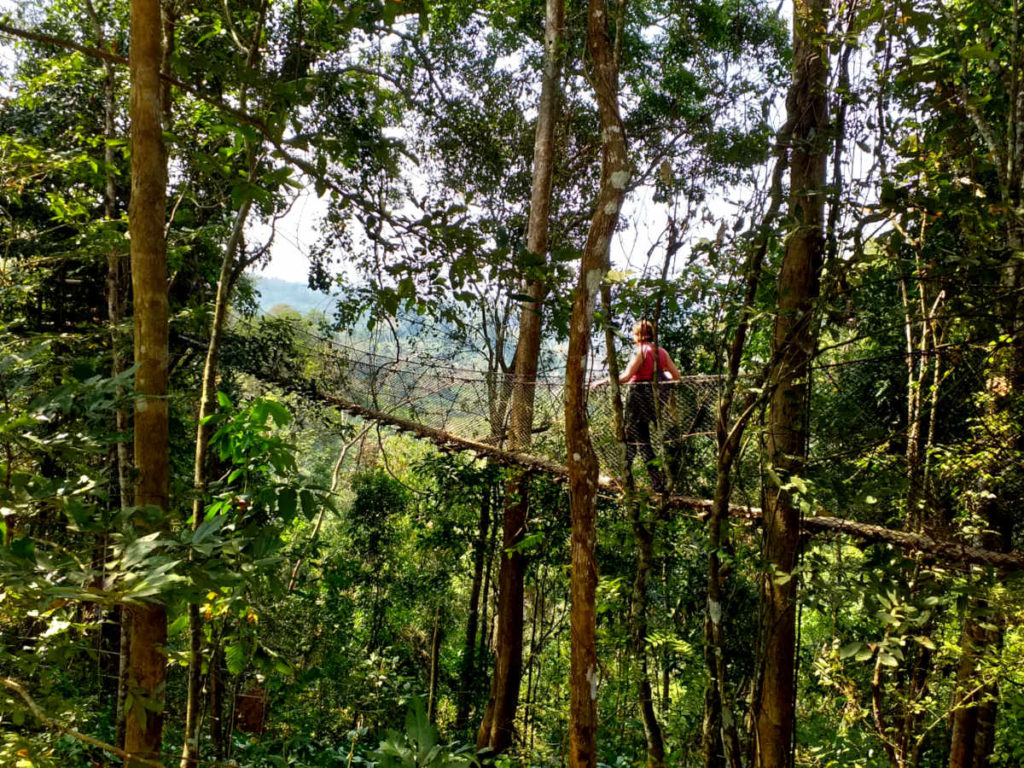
{"points": [[42, 717]]}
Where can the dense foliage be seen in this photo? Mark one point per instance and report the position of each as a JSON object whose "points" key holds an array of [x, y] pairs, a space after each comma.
{"points": [[337, 590]]}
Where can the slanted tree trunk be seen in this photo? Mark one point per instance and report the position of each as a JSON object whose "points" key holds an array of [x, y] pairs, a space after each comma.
{"points": [[496, 729], [229, 272], [582, 461], [793, 344], [719, 738], [233, 263], [146, 215]]}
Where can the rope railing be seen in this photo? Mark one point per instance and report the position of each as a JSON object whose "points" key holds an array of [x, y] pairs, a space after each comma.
{"points": [[858, 410], [475, 405]]}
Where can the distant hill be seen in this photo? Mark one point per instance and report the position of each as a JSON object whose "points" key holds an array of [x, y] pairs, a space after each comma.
{"points": [[298, 296]]}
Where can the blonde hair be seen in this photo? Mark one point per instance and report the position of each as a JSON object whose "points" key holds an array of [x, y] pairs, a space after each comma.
{"points": [[643, 331]]}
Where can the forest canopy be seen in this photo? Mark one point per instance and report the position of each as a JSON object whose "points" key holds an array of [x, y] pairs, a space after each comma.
{"points": [[476, 512]]}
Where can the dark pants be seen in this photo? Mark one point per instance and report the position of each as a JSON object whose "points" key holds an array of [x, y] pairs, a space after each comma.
{"points": [[640, 415]]}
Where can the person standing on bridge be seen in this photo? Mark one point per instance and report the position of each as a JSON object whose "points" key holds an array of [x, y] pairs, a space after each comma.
{"points": [[648, 367]]}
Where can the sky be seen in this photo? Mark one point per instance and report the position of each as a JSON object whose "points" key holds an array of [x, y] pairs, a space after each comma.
{"points": [[298, 231]]}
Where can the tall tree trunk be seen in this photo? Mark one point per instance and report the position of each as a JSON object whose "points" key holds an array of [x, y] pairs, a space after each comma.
{"points": [[974, 719], [207, 405], [496, 729], [146, 216], [467, 671], [582, 461], [719, 743], [793, 344]]}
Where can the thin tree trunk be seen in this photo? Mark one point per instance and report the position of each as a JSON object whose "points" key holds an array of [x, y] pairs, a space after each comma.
{"points": [[496, 729], [717, 740], [217, 700], [976, 705], [146, 215], [435, 661], [643, 533], [793, 343], [207, 405], [486, 621], [115, 314], [467, 672], [124, 659], [582, 461]]}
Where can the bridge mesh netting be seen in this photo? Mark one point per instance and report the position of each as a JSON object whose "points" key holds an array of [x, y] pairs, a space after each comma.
{"points": [[858, 406]]}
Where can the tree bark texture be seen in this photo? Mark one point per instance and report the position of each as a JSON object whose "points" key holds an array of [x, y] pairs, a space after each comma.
{"points": [[581, 460], [793, 346], [496, 729], [146, 216]]}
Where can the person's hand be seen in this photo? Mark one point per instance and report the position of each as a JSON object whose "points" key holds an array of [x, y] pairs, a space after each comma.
{"points": [[598, 383]]}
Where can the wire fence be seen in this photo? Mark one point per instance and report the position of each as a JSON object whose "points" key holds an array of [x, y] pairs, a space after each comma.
{"points": [[863, 408]]}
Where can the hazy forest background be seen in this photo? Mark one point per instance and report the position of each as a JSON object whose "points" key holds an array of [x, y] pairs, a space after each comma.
{"points": [[205, 561]]}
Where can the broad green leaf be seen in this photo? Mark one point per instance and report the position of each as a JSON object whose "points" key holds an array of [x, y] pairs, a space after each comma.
{"points": [[234, 655], [850, 649], [287, 502]]}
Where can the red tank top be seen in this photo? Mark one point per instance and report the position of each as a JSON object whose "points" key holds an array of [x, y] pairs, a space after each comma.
{"points": [[646, 372]]}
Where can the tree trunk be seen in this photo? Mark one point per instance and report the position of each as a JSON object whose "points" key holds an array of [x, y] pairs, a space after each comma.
{"points": [[146, 216], [496, 730], [497, 726], [793, 345], [207, 405], [643, 533], [124, 659], [467, 672], [581, 460], [217, 700], [435, 661]]}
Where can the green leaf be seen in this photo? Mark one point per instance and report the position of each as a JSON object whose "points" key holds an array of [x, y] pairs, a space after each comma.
{"points": [[850, 649], [278, 413], [309, 505], [978, 51], [287, 502], [207, 528], [223, 399], [926, 642], [234, 655], [887, 659], [177, 625]]}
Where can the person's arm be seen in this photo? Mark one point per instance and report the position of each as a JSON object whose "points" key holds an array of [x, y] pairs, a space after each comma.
{"points": [[668, 367], [631, 369]]}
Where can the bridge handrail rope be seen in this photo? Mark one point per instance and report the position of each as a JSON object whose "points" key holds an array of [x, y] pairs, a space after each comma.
{"points": [[454, 407]]}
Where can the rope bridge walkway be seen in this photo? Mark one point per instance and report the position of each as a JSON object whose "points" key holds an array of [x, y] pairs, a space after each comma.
{"points": [[464, 409]]}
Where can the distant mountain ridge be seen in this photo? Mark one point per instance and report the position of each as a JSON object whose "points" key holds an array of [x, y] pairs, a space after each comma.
{"points": [[274, 291]]}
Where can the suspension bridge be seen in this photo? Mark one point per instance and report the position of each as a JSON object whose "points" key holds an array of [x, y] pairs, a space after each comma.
{"points": [[459, 408]]}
